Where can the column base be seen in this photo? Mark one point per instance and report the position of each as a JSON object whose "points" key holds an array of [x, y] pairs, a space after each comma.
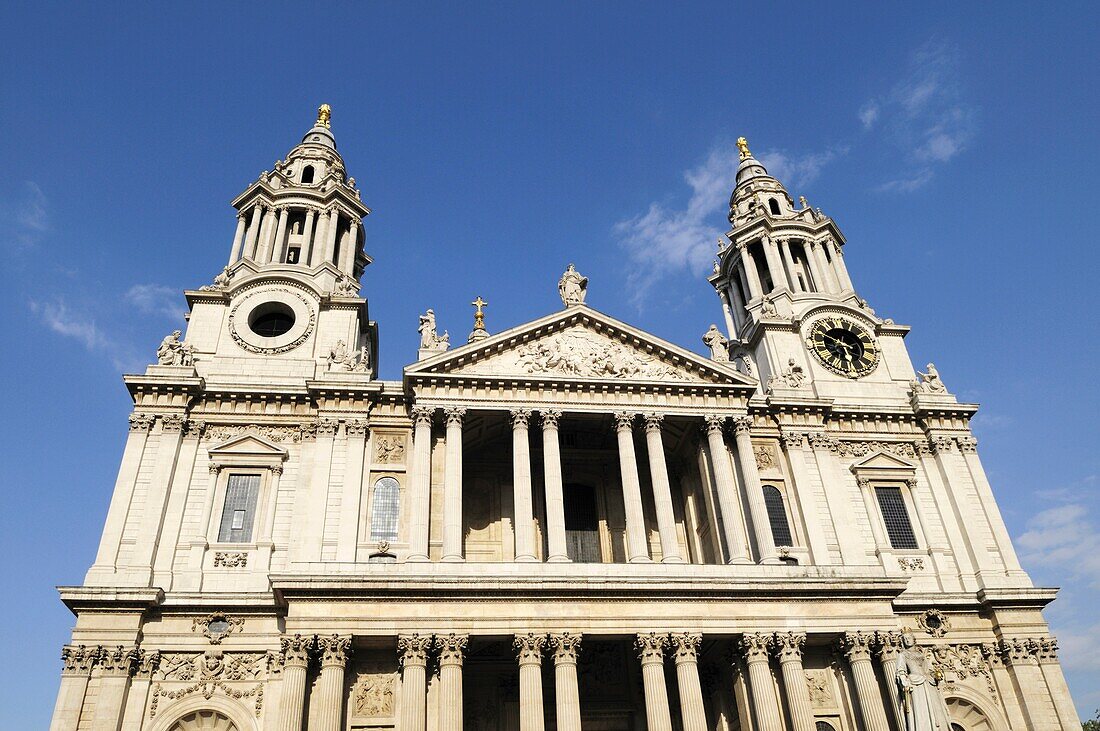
{"points": [[739, 561], [770, 561], [452, 559], [640, 559], [417, 559], [673, 559], [527, 559], [559, 559]]}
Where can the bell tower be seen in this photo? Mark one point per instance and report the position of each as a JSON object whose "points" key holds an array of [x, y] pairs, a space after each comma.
{"points": [[793, 317]]}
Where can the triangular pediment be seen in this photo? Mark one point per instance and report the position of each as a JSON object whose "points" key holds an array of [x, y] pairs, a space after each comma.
{"points": [[579, 343], [247, 445], [883, 461]]}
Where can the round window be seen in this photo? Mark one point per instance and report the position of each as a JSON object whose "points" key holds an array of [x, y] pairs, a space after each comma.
{"points": [[271, 320]]}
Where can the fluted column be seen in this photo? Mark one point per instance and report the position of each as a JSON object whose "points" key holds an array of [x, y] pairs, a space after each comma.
{"points": [[267, 234], [685, 648], [889, 645], [114, 682], [452, 486], [752, 276], [828, 277], [413, 651], [308, 242], [788, 262], [280, 236], [636, 548], [555, 499], [347, 256], [567, 698], [761, 684], [420, 487], [726, 486], [521, 485], [253, 231], [775, 266], [144, 667], [758, 510], [132, 457], [727, 313], [330, 235], [529, 653], [651, 651], [330, 686], [238, 238], [662, 492], [347, 541], [296, 651], [451, 649], [857, 647], [77, 661], [844, 280], [788, 646]]}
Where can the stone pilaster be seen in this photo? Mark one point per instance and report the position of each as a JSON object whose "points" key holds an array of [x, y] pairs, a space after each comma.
{"points": [[651, 652], [334, 651], [761, 684], [1022, 657], [420, 488], [529, 654], [685, 649], [754, 491], [296, 650], [1056, 683], [452, 650], [145, 665], [889, 644], [452, 486], [76, 668], [413, 653], [115, 665], [566, 647], [857, 648], [788, 647]]}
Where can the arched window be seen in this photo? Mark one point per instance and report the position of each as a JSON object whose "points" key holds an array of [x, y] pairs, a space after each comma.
{"points": [[777, 516], [307, 175], [384, 511], [773, 205], [824, 726], [204, 721]]}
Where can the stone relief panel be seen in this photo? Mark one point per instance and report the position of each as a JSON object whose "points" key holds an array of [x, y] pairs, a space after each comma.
{"points": [[820, 684], [581, 353], [181, 675], [372, 691], [389, 449], [222, 432]]}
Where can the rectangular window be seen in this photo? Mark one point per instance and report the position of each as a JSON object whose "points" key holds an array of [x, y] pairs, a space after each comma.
{"points": [[896, 517], [239, 512]]}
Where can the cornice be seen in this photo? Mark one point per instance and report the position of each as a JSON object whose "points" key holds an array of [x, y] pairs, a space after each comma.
{"points": [[110, 598]]}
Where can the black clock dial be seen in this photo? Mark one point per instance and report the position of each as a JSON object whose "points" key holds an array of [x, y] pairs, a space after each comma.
{"points": [[843, 347]]}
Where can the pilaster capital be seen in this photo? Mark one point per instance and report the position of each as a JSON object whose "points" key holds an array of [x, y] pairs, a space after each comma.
{"points": [[685, 646], [567, 646], [821, 440], [334, 650], [521, 418], [454, 415], [296, 649], [414, 649], [715, 423], [241, 215], [277, 469], [942, 444], [889, 644], [172, 423], [356, 427], [326, 427], [856, 646], [923, 447], [528, 648], [141, 422], [651, 647], [78, 659], [1048, 649], [742, 425], [146, 664], [1020, 651], [550, 418], [624, 421], [967, 444], [653, 422], [755, 646], [792, 440], [451, 648], [788, 646], [423, 415], [118, 660], [993, 654]]}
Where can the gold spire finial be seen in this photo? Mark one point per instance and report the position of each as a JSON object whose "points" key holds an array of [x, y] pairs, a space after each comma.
{"points": [[479, 316], [743, 147], [324, 116]]}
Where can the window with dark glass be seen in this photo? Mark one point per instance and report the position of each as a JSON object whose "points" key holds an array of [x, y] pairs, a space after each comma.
{"points": [[896, 517], [385, 510], [777, 516], [582, 524], [773, 205], [239, 511], [307, 175]]}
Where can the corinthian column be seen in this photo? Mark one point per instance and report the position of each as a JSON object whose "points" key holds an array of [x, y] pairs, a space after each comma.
{"points": [[451, 650], [555, 499], [651, 651], [529, 652], [253, 232], [761, 684], [789, 648], [238, 239], [889, 645], [452, 486], [330, 687], [115, 664], [662, 492], [761, 526], [420, 488], [632, 489], [296, 651], [414, 681], [726, 487], [857, 646], [567, 695], [686, 649], [76, 668], [521, 486]]}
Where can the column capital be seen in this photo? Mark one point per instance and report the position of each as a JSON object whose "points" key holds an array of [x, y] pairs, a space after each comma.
{"points": [[1020, 651], [326, 427], [653, 422], [792, 440], [118, 660], [78, 659], [414, 649], [356, 427], [451, 648], [755, 646], [685, 646], [521, 418], [528, 648], [423, 415], [651, 647], [141, 422], [550, 418], [454, 415], [967, 445], [146, 664], [567, 645], [334, 650], [788, 646], [624, 421], [821, 440], [857, 645], [241, 215], [296, 649], [889, 644], [742, 425], [715, 423], [172, 422]]}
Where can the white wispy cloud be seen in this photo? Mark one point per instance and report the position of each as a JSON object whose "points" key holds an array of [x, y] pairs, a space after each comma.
{"points": [[668, 239], [925, 115], [25, 211], [156, 299], [78, 325]]}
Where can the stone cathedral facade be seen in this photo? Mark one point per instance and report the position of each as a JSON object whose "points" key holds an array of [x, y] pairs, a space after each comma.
{"points": [[570, 524]]}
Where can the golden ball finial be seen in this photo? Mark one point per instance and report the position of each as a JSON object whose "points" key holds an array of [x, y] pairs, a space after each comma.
{"points": [[324, 116], [743, 147]]}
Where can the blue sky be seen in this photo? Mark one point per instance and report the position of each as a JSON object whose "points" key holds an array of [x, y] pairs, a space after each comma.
{"points": [[955, 146]]}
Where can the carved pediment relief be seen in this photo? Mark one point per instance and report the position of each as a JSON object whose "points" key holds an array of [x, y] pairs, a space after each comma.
{"points": [[883, 460], [247, 444]]}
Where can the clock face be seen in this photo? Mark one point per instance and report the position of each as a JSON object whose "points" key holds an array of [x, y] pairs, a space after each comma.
{"points": [[843, 347]]}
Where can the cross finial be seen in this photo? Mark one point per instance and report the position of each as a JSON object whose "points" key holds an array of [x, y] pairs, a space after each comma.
{"points": [[324, 116], [479, 316], [743, 147]]}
